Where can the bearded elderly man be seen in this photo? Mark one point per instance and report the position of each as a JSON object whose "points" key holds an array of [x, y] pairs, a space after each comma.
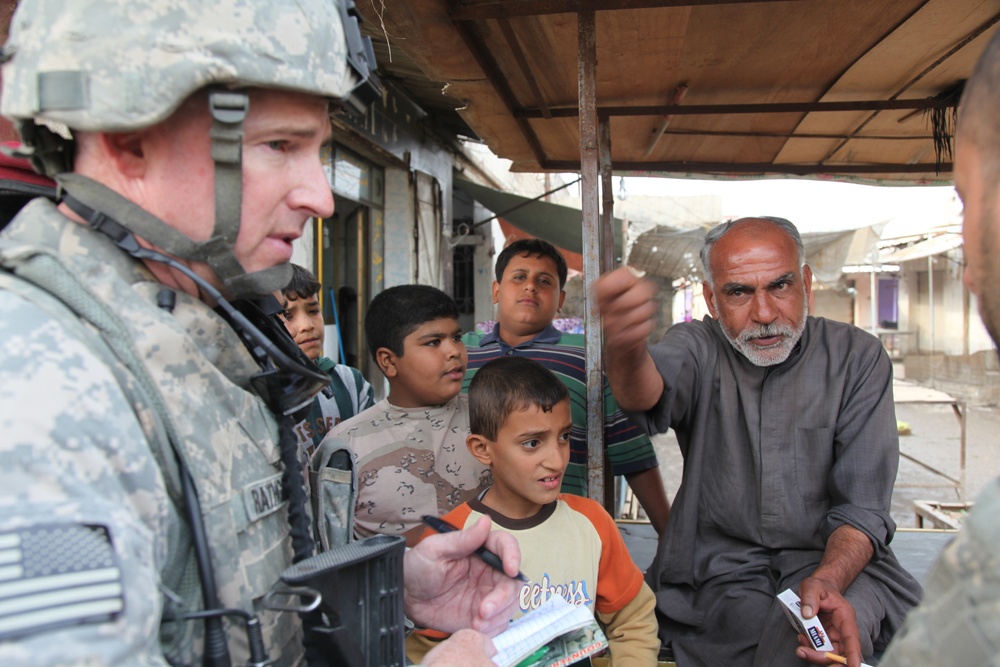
{"points": [[788, 431]]}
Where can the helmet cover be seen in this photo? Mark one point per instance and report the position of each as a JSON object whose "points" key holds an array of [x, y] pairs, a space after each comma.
{"points": [[118, 65]]}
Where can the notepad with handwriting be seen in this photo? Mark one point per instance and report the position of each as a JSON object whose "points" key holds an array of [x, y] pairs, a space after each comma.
{"points": [[556, 633]]}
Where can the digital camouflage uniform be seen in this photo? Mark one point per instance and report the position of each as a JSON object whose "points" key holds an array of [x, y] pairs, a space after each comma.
{"points": [[85, 456], [958, 620], [90, 497]]}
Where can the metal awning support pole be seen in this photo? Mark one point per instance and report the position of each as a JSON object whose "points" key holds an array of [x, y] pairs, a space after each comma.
{"points": [[607, 263], [930, 298], [607, 195], [872, 302], [587, 44]]}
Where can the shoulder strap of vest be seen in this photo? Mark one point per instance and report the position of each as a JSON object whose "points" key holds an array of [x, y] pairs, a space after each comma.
{"points": [[38, 275]]}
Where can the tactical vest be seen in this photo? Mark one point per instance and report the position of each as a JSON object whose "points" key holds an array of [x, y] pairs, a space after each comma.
{"points": [[183, 371]]}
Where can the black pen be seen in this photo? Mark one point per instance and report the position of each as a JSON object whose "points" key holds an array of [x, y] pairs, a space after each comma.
{"points": [[487, 556]]}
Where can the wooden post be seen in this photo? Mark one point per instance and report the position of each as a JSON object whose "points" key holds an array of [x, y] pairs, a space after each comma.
{"points": [[587, 44], [607, 262]]}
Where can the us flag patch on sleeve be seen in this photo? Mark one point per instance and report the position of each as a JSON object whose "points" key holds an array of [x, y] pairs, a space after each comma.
{"points": [[55, 575]]}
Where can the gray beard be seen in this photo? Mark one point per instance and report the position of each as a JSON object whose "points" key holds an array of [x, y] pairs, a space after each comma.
{"points": [[774, 354]]}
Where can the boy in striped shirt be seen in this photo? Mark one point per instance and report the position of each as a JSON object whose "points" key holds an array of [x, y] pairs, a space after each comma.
{"points": [[529, 291], [348, 392]]}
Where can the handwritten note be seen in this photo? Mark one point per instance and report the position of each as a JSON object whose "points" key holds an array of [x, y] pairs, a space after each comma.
{"points": [[538, 627]]}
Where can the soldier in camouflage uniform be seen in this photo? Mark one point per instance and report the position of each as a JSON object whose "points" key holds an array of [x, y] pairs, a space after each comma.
{"points": [[958, 620], [186, 137]]}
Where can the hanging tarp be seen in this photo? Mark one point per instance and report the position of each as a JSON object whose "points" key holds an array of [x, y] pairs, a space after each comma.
{"points": [[562, 226], [673, 254]]}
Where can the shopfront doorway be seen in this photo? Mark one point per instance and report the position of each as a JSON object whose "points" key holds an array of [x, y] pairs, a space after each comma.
{"points": [[346, 257]]}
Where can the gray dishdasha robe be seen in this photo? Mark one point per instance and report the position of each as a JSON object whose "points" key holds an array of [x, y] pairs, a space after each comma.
{"points": [[775, 459]]}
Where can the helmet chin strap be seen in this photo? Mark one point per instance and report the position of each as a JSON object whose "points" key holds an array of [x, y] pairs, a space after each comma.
{"points": [[228, 111]]}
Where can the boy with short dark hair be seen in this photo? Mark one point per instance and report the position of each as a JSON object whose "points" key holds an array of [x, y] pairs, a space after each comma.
{"points": [[349, 392], [409, 448], [528, 292], [520, 422]]}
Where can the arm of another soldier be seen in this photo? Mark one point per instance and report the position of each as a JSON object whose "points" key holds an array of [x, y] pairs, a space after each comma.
{"points": [[627, 309], [956, 621], [466, 647], [78, 485]]}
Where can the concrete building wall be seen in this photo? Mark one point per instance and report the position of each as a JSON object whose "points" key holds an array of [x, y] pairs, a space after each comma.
{"points": [[905, 299], [304, 248], [469, 213], [939, 307], [485, 256], [974, 378], [833, 305], [862, 306], [956, 354], [398, 242], [979, 337]]}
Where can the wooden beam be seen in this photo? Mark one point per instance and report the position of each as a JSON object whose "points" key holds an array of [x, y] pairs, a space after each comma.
{"points": [[524, 65], [979, 30], [832, 84], [499, 83], [679, 93], [797, 135], [761, 168], [502, 9], [734, 109]]}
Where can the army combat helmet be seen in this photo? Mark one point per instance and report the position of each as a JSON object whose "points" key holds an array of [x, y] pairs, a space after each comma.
{"points": [[119, 65]]}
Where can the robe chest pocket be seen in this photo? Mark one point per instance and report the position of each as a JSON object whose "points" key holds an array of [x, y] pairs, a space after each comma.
{"points": [[813, 461]]}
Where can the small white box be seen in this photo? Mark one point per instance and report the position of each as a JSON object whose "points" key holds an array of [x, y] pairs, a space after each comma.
{"points": [[810, 627]]}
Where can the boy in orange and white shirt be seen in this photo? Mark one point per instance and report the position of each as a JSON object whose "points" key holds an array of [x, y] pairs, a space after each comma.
{"points": [[520, 421]]}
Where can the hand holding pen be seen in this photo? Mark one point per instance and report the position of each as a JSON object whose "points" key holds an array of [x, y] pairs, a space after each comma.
{"points": [[449, 587], [487, 556]]}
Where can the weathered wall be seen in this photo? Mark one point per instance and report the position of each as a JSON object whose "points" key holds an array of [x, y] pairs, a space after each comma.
{"points": [[974, 378], [7, 131]]}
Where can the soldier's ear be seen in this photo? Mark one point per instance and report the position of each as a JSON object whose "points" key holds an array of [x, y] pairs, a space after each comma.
{"points": [[479, 448], [125, 150]]}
